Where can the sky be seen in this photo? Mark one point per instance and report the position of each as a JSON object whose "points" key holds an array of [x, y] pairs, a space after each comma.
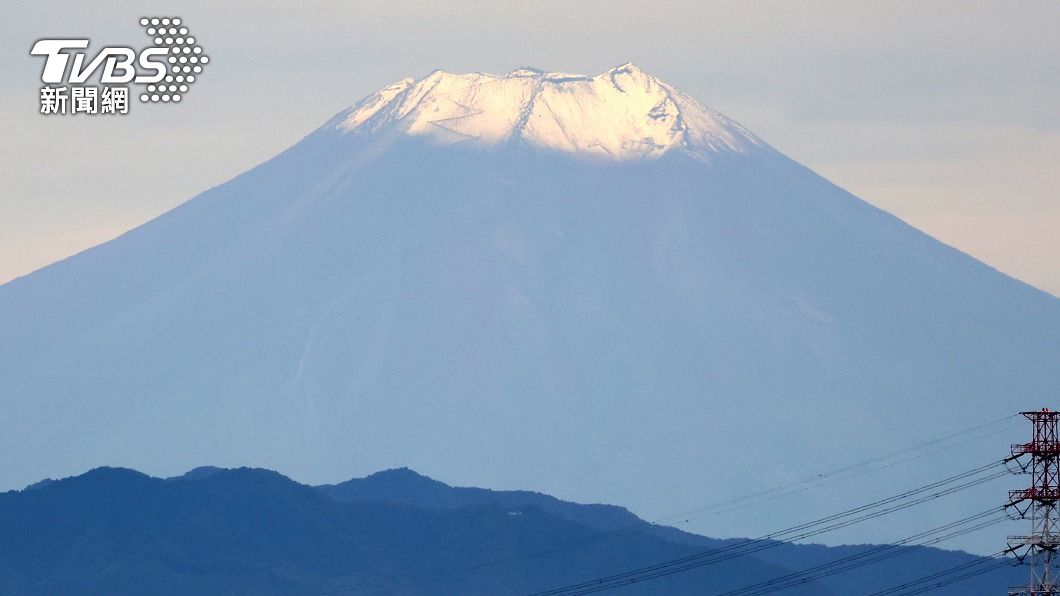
{"points": [[943, 113]]}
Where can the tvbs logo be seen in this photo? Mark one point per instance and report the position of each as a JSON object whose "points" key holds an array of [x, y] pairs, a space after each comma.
{"points": [[119, 64], [164, 71]]}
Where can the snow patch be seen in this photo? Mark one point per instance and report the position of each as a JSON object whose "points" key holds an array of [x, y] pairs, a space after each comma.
{"points": [[623, 113]]}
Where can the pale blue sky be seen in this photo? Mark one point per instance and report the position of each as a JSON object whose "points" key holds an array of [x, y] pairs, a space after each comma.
{"points": [[944, 113]]}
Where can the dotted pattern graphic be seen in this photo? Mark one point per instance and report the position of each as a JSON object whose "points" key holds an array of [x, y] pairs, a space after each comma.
{"points": [[185, 58]]}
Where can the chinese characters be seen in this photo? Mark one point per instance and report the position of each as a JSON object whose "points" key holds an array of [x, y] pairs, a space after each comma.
{"points": [[84, 99]]}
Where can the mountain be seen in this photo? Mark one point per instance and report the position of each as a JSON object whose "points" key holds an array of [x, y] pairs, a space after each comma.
{"points": [[621, 114], [252, 531], [593, 287], [409, 488]]}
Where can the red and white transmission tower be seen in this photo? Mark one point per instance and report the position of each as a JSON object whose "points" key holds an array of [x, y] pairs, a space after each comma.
{"points": [[1039, 503]]}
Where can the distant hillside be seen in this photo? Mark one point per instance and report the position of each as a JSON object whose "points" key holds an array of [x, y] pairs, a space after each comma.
{"points": [[408, 487], [251, 531]]}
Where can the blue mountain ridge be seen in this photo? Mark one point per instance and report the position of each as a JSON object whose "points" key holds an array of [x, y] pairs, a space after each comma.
{"points": [[253, 531]]}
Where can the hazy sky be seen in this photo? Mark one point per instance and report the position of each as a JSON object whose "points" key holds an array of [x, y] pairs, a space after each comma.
{"points": [[944, 113]]}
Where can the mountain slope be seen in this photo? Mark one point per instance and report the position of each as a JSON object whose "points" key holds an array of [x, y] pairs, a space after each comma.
{"points": [[116, 531], [683, 323], [247, 531], [409, 488]]}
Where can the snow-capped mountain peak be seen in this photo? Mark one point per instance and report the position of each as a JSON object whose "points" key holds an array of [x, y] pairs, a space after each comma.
{"points": [[620, 329], [622, 113]]}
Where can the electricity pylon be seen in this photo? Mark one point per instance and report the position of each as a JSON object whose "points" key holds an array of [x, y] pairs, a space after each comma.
{"points": [[1038, 504]]}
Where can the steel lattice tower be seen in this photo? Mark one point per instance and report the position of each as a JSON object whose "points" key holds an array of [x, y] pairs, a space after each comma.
{"points": [[1039, 503]]}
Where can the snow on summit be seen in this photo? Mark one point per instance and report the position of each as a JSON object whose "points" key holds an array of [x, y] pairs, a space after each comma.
{"points": [[623, 113]]}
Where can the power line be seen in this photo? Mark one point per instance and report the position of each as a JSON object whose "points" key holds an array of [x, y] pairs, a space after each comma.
{"points": [[674, 567], [842, 473], [831, 476], [971, 569], [829, 523], [876, 554]]}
